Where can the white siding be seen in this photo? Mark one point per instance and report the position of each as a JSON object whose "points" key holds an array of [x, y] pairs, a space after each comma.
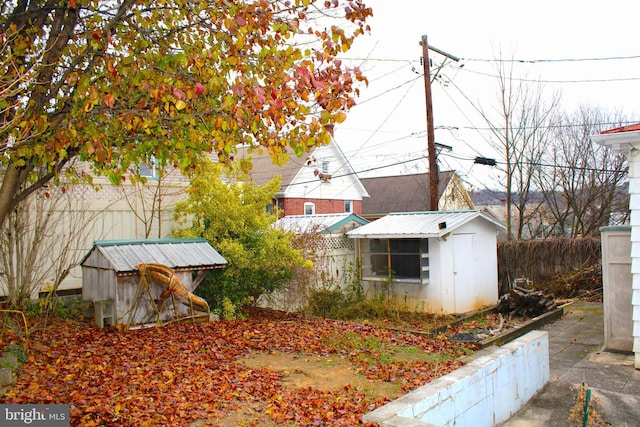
{"points": [[343, 185], [634, 190], [86, 215]]}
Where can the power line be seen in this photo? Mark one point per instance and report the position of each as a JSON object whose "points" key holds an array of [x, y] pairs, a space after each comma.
{"points": [[412, 81], [464, 158], [520, 79], [513, 60], [552, 60], [541, 164]]}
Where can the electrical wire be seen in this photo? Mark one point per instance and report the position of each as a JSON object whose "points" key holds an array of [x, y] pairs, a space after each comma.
{"points": [[553, 60], [520, 79]]}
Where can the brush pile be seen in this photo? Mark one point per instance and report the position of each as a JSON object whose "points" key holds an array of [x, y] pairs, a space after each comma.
{"points": [[524, 302]]}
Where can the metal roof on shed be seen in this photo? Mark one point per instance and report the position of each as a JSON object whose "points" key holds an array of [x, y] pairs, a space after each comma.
{"points": [[322, 223], [125, 255], [414, 225]]}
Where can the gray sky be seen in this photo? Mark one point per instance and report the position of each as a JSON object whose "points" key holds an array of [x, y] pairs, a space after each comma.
{"points": [[389, 123]]}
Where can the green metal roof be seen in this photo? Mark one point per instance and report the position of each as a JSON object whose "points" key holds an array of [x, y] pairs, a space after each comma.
{"points": [[148, 241], [125, 255], [321, 223]]}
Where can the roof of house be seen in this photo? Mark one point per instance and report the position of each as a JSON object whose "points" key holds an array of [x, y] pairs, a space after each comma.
{"points": [[619, 139], [404, 225], [125, 255], [322, 223], [401, 193], [629, 128], [264, 169]]}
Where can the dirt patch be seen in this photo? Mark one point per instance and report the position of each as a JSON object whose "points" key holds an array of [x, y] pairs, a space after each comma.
{"points": [[243, 414], [321, 372], [302, 372]]}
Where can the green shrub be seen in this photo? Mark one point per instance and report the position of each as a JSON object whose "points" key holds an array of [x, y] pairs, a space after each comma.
{"points": [[232, 217]]}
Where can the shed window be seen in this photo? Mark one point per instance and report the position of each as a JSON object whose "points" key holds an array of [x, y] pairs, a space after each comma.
{"points": [[396, 259]]}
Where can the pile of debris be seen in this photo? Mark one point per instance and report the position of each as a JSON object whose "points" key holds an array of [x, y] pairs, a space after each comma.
{"points": [[524, 302], [585, 282]]}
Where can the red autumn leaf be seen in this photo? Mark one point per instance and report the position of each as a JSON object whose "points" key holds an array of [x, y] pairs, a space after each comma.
{"points": [[178, 93], [109, 100]]}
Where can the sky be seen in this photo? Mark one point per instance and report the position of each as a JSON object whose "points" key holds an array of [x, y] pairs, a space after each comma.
{"points": [[587, 52]]}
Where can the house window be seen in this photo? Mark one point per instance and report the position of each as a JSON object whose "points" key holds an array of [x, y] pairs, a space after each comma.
{"points": [[309, 208], [148, 169], [348, 206], [325, 166], [396, 259]]}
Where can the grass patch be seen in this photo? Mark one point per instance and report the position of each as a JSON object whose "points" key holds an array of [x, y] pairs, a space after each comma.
{"points": [[382, 310], [372, 350]]}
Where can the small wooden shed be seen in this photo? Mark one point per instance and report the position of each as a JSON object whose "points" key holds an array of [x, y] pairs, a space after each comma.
{"points": [[438, 262], [121, 295]]}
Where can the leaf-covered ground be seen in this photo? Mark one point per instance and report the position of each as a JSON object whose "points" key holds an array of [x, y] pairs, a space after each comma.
{"points": [[196, 374]]}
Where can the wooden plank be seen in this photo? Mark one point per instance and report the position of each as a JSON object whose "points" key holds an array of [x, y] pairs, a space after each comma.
{"points": [[533, 324], [434, 332]]}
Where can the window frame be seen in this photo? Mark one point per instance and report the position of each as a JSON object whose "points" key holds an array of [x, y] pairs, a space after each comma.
{"points": [[378, 257], [309, 205], [151, 166], [325, 166]]}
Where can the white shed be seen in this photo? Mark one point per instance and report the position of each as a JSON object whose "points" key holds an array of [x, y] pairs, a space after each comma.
{"points": [[112, 279], [438, 262]]}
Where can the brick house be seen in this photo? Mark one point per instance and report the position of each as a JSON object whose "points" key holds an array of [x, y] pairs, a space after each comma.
{"points": [[322, 182]]}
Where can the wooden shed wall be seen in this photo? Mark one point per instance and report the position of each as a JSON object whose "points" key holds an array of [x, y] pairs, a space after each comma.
{"points": [[126, 289], [98, 284]]}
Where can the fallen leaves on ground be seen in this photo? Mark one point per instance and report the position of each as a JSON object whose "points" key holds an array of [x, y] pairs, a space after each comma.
{"points": [[180, 373]]}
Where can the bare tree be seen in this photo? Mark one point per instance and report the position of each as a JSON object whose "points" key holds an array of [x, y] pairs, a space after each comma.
{"points": [[42, 240], [147, 200], [583, 184], [522, 134]]}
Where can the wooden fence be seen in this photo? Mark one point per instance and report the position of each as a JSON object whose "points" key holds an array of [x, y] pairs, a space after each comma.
{"points": [[541, 260]]}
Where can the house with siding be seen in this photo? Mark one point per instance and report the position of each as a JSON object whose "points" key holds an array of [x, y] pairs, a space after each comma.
{"points": [[322, 182], [76, 215], [410, 193], [627, 140]]}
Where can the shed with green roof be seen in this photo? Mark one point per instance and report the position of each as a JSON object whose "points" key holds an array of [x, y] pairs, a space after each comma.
{"points": [[111, 279]]}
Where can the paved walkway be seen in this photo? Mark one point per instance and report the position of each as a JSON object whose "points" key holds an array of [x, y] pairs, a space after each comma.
{"points": [[575, 356]]}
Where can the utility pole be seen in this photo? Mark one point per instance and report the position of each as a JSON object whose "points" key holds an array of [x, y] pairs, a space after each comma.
{"points": [[431, 139]]}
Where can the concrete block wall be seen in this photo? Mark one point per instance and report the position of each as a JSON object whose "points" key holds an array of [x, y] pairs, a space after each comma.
{"points": [[487, 391]]}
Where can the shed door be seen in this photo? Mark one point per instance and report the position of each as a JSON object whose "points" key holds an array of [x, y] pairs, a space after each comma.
{"points": [[464, 284]]}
